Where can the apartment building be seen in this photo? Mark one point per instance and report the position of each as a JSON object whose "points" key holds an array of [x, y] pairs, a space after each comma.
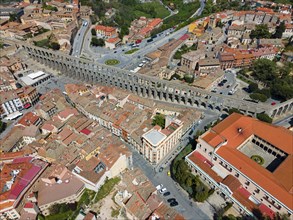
{"points": [[60, 186], [190, 59], [104, 162], [18, 174], [158, 142], [106, 31], [10, 103], [28, 95], [15, 100], [249, 162]]}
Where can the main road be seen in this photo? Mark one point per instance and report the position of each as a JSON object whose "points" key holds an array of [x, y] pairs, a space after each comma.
{"points": [[130, 61], [78, 41]]}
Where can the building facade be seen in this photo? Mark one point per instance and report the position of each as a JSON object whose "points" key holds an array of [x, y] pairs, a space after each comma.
{"points": [[248, 162], [158, 142]]}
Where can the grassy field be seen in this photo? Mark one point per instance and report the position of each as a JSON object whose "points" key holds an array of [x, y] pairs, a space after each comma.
{"points": [[160, 10], [42, 43], [106, 188]]}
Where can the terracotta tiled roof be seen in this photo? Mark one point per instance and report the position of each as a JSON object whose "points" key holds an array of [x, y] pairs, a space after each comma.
{"points": [[113, 40], [231, 182], [258, 174], [277, 183], [205, 167]]}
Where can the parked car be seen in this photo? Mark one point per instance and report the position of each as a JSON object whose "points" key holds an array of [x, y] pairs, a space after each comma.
{"points": [[160, 186], [167, 194], [273, 103], [173, 204], [163, 190], [171, 200]]}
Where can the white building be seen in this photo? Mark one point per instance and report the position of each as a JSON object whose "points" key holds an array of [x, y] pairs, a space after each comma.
{"points": [[158, 142]]}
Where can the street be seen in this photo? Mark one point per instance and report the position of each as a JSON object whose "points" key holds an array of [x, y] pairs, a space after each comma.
{"points": [[78, 41], [188, 208]]}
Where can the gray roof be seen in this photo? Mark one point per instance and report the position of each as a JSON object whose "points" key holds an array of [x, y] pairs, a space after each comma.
{"points": [[154, 137]]}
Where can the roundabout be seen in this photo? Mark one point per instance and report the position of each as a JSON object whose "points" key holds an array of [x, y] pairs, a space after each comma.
{"points": [[112, 62]]}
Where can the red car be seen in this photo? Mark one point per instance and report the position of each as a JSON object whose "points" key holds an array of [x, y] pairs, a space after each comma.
{"points": [[273, 103], [138, 41]]}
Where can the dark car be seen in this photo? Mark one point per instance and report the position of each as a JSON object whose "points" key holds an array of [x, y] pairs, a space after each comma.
{"points": [[173, 204], [171, 200], [167, 194], [224, 81], [115, 51], [228, 86]]}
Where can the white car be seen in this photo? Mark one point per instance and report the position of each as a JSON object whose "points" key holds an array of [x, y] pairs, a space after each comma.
{"points": [[158, 187], [140, 65], [163, 190]]}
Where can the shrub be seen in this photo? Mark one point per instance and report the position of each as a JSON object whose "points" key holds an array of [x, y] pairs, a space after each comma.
{"points": [[258, 159], [94, 32], [159, 120], [253, 87], [264, 117], [258, 96]]}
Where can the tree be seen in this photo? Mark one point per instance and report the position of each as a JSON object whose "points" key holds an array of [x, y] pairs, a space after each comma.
{"points": [[266, 92], [201, 192], [55, 46], [54, 209], [258, 96], [189, 181], [280, 30], [260, 31], [232, 110], [2, 126], [188, 78], [252, 87], [13, 17], [123, 31], [159, 120], [94, 32], [264, 70], [97, 42], [219, 24], [264, 117]]}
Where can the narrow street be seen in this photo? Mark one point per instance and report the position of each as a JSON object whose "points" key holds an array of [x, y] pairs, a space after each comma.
{"points": [[188, 208]]}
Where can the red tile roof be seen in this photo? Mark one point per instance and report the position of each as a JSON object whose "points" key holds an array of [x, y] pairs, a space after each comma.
{"points": [[85, 131], [105, 28], [204, 166], [29, 205], [155, 22], [266, 210], [113, 40], [275, 183], [28, 119]]}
